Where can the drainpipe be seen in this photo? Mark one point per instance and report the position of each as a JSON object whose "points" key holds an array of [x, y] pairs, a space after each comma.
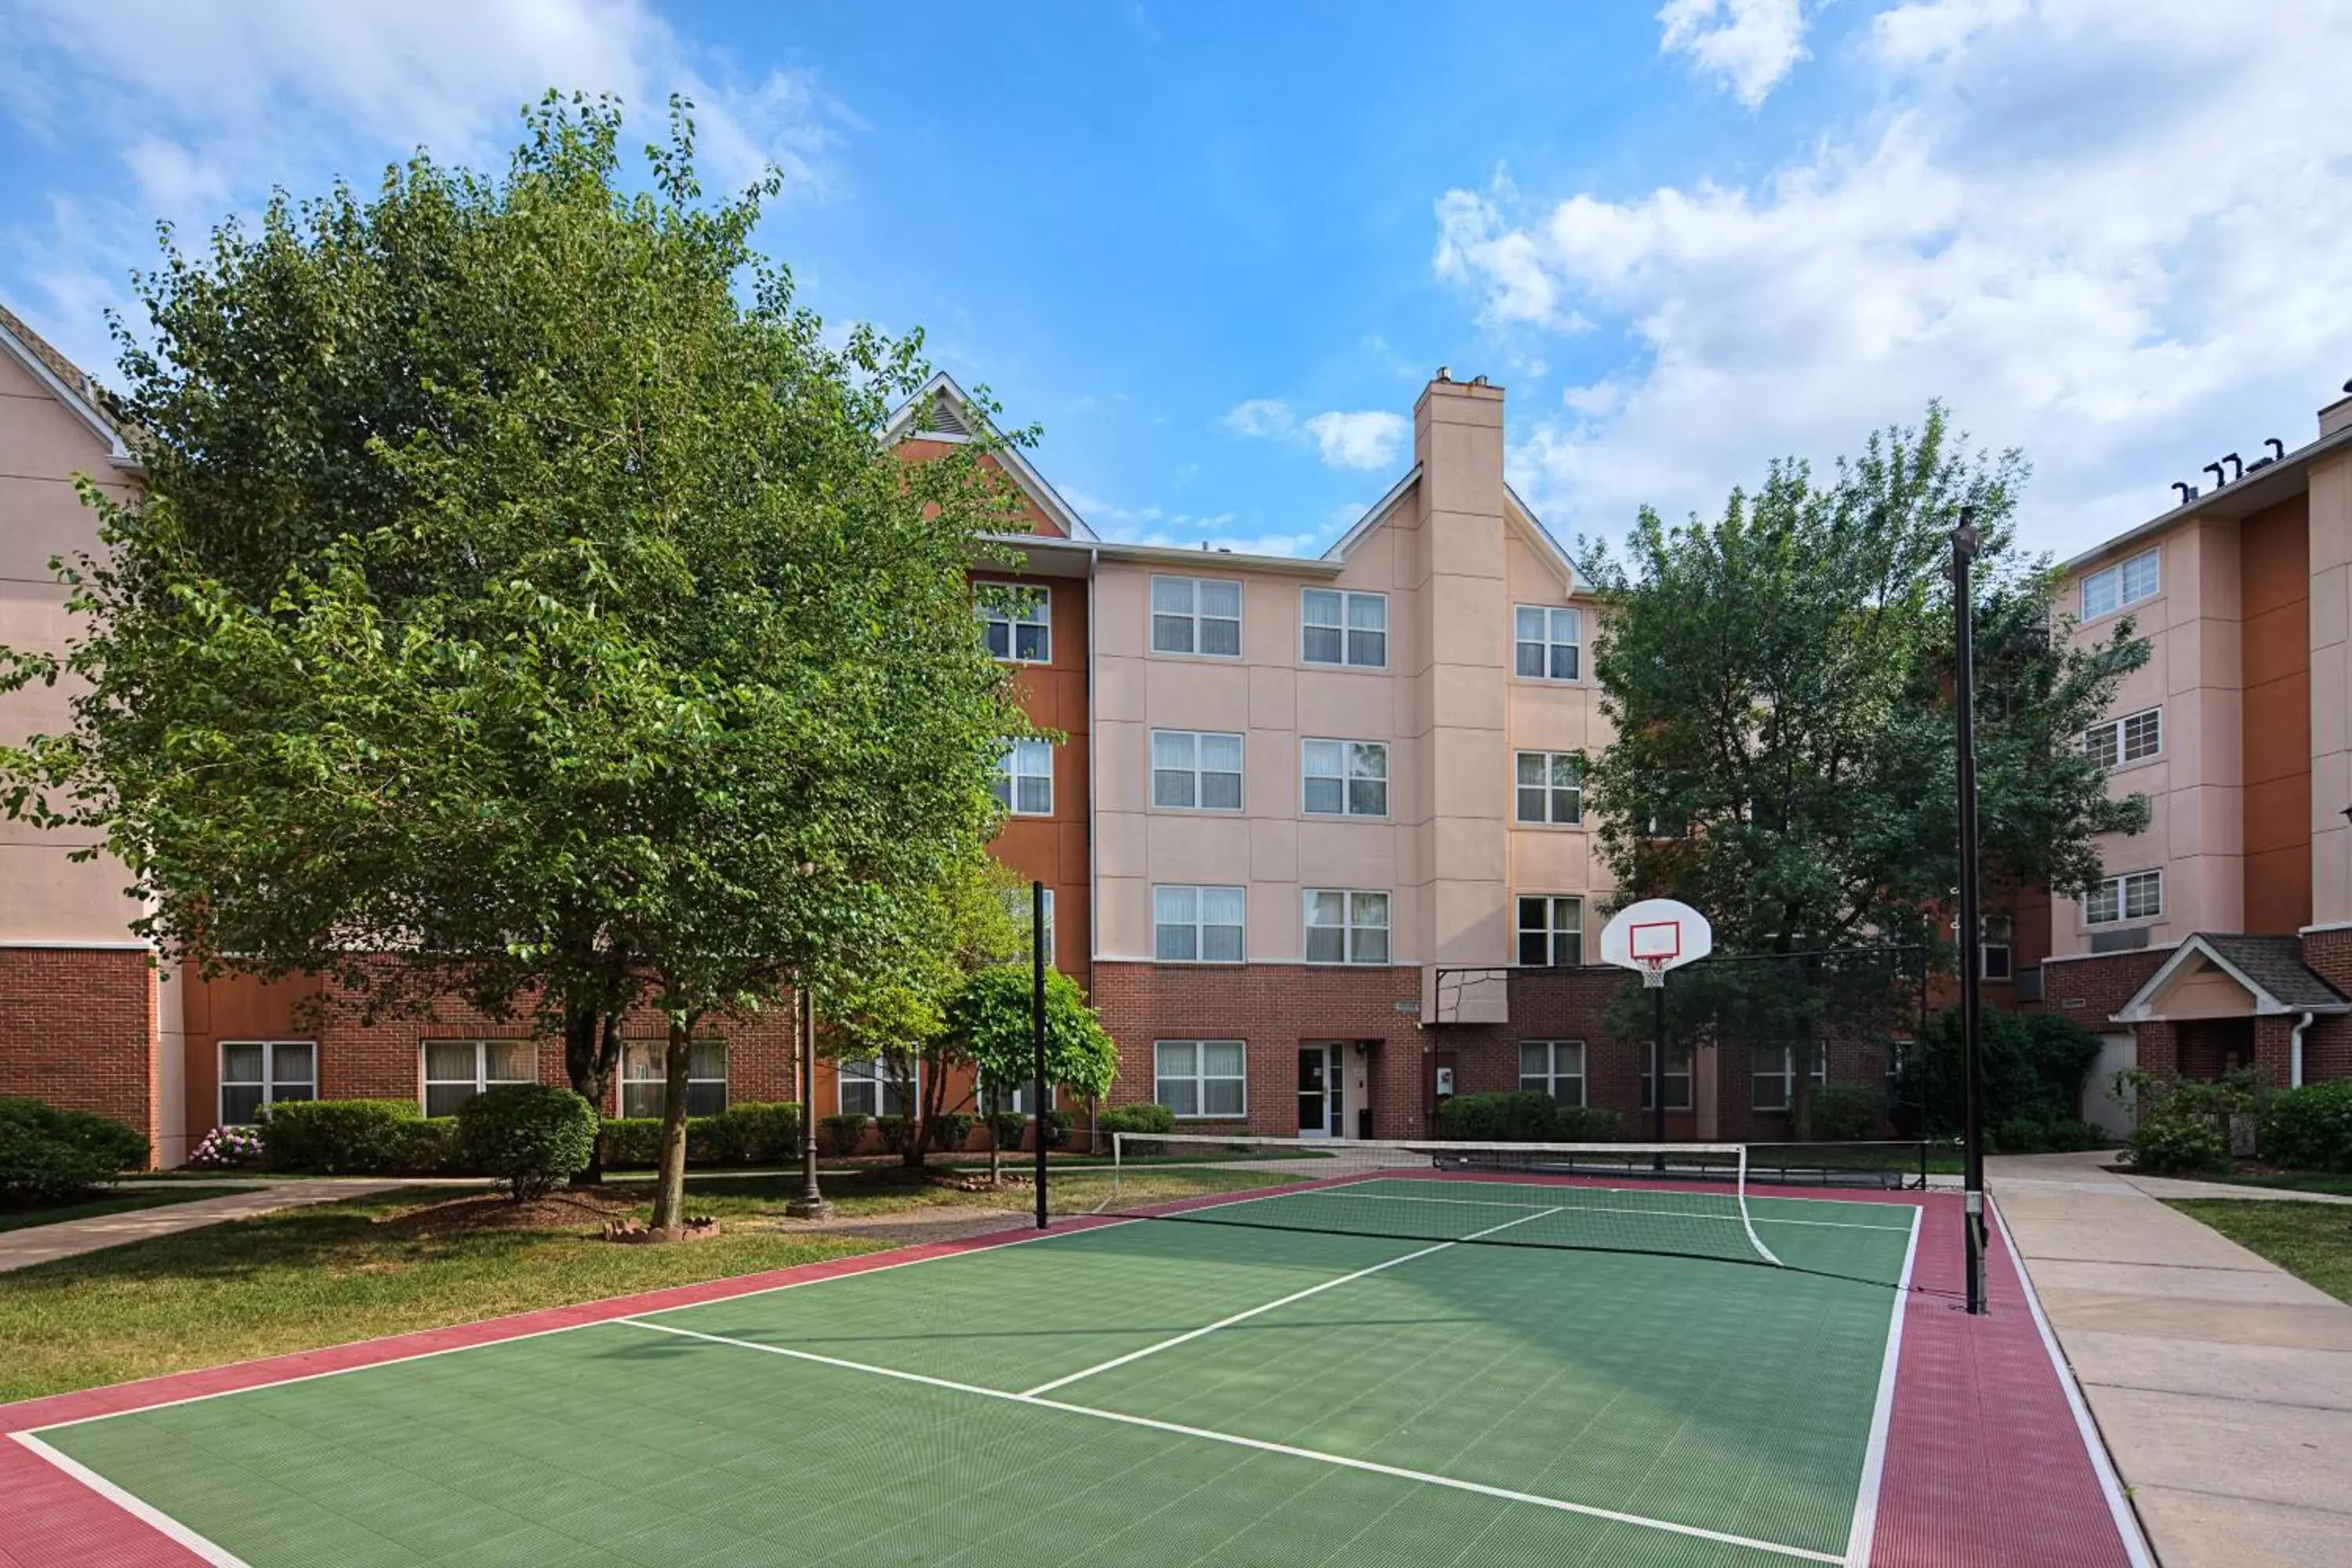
{"points": [[2294, 1052]]}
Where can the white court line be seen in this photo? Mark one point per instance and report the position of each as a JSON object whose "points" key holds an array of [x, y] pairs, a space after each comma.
{"points": [[147, 1513], [1859, 1538], [1232, 1439], [1270, 1306], [1587, 1208]]}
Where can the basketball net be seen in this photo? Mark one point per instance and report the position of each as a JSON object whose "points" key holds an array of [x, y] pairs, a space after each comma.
{"points": [[1654, 973]]}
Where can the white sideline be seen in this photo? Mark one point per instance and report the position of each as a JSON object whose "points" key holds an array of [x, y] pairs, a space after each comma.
{"points": [[1269, 1307], [145, 1512], [1585, 1208], [1860, 1539], [1232, 1439]]}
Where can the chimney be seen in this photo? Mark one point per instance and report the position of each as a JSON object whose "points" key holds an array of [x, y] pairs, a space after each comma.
{"points": [[2336, 416]]}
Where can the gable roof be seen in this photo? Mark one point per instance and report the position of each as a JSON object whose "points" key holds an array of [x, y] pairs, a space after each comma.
{"points": [[2271, 968], [66, 381], [943, 411], [1517, 513]]}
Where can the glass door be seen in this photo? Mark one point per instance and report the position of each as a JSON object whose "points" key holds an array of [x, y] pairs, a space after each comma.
{"points": [[1322, 1092]]}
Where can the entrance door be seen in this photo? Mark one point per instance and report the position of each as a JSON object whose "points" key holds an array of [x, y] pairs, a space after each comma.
{"points": [[2104, 1108], [1322, 1092]]}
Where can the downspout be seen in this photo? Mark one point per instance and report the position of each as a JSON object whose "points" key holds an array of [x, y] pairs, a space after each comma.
{"points": [[2294, 1051], [1094, 799]]}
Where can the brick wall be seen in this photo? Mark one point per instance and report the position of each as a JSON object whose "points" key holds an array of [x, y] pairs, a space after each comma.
{"points": [[2092, 990], [77, 1029], [1273, 1009], [2327, 1044]]}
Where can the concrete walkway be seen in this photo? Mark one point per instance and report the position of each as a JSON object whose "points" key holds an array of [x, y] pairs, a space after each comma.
{"points": [[2222, 1383], [69, 1238]]}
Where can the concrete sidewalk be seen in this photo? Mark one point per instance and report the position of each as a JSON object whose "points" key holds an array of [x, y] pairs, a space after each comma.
{"points": [[69, 1238], [2222, 1383]]}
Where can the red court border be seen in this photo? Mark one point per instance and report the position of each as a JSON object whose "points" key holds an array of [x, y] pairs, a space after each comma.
{"points": [[1986, 1461]]}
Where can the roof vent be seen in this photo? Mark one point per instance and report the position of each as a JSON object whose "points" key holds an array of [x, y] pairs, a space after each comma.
{"points": [[942, 418], [1445, 373]]}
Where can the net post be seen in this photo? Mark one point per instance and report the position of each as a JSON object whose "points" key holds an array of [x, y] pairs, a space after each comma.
{"points": [[1658, 1081], [1747, 1220], [1037, 1030]]}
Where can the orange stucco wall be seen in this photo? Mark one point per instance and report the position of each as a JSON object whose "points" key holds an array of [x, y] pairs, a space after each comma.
{"points": [[1053, 849], [2274, 576]]}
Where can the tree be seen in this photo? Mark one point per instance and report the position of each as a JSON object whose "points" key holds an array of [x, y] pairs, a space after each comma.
{"points": [[991, 1022], [522, 591], [1780, 684]]}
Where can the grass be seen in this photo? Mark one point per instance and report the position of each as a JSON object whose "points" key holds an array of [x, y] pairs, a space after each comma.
{"points": [[337, 1272], [2288, 1181], [111, 1203], [2311, 1241]]}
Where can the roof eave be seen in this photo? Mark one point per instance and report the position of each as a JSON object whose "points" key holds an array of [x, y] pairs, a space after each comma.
{"points": [[2251, 492]]}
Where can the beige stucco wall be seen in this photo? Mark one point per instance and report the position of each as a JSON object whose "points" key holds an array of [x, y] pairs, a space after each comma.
{"points": [[44, 895], [2331, 689], [1453, 567]]}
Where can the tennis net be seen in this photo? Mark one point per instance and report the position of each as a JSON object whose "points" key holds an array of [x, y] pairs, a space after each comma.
{"points": [[1682, 1199]]}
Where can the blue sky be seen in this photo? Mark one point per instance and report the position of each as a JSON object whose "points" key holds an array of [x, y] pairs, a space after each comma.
{"points": [[1214, 250]]}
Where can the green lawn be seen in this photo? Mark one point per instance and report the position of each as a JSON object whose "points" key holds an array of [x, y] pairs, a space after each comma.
{"points": [[2311, 1241], [2289, 1180], [107, 1204]]}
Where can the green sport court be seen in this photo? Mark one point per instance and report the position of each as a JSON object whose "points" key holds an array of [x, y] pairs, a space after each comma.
{"points": [[1391, 1368]]}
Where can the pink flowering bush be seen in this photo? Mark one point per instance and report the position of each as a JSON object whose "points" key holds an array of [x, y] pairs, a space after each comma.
{"points": [[228, 1148]]}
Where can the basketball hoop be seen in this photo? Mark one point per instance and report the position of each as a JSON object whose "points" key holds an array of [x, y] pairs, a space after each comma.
{"points": [[1653, 936], [1654, 973]]}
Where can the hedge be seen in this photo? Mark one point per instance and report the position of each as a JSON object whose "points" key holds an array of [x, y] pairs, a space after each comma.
{"points": [[533, 1135], [47, 1153], [1524, 1116], [339, 1137], [2308, 1128], [752, 1133]]}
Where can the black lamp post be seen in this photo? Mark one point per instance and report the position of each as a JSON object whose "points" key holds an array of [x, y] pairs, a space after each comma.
{"points": [[1965, 544]]}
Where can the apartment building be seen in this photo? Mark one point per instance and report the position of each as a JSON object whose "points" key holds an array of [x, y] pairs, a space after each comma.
{"points": [[2222, 936]]}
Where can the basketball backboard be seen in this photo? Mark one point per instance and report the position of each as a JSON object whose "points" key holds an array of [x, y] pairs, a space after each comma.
{"points": [[1655, 935]]}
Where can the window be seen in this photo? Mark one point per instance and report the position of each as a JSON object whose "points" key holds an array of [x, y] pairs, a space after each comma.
{"points": [[1551, 787], [1015, 1100], [254, 1073], [1344, 926], [1196, 614], [1196, 925], [1201, 1078], [2136, 896], [1555, 1068], [1025, 779], [644, 1075], [1192, 771], [867, 1088], [1678, 1078], [2131, 739], [1548, 642], [1551, 931], [457, 1070], [1344, 629], [1995, 942], [1016, 906], [1346, 778], [1773, 1075], [2120, 585], [1017, 622]]}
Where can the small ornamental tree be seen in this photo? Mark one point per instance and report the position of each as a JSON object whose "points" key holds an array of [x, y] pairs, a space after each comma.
{"points": [[990, 1022]]}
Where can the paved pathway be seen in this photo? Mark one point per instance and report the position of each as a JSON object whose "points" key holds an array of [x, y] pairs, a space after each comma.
{"points": [[68, 1238], [2222, 1383]]}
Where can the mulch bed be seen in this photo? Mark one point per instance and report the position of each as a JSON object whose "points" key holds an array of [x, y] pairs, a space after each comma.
{"points": [[557, 1211]]}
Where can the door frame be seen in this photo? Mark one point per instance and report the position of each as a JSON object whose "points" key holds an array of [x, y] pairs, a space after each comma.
{"points": [[1335, 1088]]}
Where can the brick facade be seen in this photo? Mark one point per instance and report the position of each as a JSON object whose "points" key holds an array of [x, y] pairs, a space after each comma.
{"points": [[79, 1029]]}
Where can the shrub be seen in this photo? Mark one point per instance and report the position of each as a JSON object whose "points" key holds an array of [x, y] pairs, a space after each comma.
{"points": [[1523, 1116], [893, 1130], [47, 1153], [227, 1149], [1137, 1119], [1849, 1112], [1057, 1128], [1007, 1128], [2033, 1069], [534, 1136], [950, 1131], [842, 1135], [753, 1133], [2168, 1145], [338, 1136], [429, 1147], [1586, 1124], [2309, 1129]]}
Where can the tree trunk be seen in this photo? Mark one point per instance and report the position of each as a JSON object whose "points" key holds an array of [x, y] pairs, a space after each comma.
{"points": [[669, 1195], [590, 1070]]}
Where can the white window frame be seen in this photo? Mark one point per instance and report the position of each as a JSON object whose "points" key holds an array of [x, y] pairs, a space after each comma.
{"points": [[1554, 1071], [2115, 588], [1355, 933], [1345, 626], [633, 1076], [1032, 599], [989, 1103], [866, 1072], [1195, 619], [2111, 741], [1550, 622], [1351, 757], [1200, 925], [1786, 1077], [1199, 1079], [1551, 930], [1018, 766], [1016, 907], [1996, 933], [1674, 1053], [273, 1083], [1195, 743], [1550, 789], [481, 1079], [2122, 887]]}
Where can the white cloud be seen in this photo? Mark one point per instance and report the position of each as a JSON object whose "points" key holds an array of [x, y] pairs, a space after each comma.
{"points": [[207, 105], [1261, 417], [1747, 45], [1370, 440], [2116, 234]]}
